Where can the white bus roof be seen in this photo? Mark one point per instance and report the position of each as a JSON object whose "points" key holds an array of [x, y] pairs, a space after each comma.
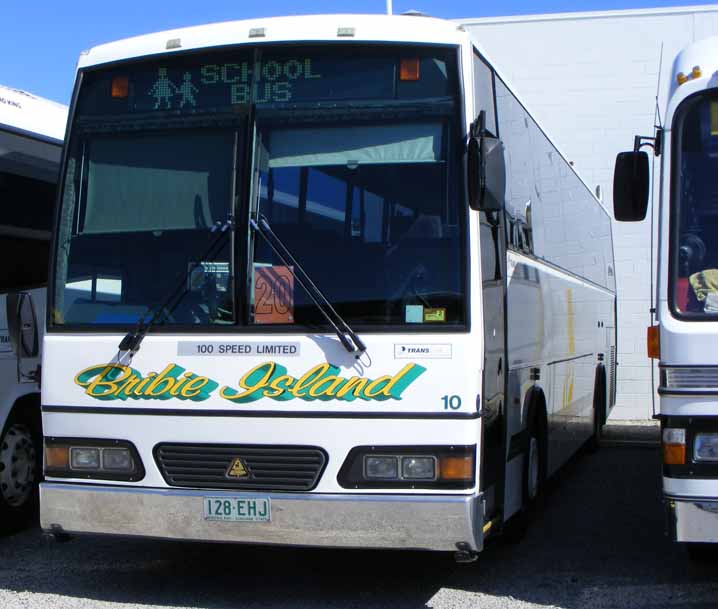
{"points": [[30, 115], [305, 28]]}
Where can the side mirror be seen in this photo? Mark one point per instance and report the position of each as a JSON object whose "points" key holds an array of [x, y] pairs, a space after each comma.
{"points": [[22, 325], [630, 186], [486, 173]]}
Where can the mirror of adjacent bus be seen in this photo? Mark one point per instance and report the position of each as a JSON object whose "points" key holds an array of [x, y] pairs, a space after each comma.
{"points": [[486, 171], [630, 186], [22, 325]]}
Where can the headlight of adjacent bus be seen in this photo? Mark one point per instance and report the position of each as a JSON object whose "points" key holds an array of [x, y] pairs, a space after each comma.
{"points": [[449, 467], [705, 447], [87, 458]]}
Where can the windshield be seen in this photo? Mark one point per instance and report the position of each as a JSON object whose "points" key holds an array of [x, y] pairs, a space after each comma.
{"points": [[354, 166], [694, 225]]}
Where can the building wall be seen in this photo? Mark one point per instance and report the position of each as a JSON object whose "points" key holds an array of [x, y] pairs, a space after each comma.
{"points": [[591, 79]]}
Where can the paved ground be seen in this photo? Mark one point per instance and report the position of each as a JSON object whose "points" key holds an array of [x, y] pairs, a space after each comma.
{"points": [[597, 542]]}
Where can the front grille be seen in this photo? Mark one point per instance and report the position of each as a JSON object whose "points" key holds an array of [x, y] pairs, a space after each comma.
{"points": [[275, 468]]}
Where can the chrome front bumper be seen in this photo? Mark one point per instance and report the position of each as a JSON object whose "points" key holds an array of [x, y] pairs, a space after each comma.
{"points": [[429, 522], [693, 520]]}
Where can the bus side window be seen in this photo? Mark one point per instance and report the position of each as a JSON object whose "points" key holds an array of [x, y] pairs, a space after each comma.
{"points": [[484, 92]]}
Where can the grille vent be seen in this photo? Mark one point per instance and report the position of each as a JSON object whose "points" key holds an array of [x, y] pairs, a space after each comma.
{"points": [[271, 468], [612, 374]]}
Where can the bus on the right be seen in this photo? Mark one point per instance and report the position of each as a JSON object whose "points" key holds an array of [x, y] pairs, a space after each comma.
{"points": [[684, 336]]}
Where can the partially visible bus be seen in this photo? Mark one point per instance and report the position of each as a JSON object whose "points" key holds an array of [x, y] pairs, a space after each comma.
{"points": [[31, 133], [316, 281], [684, 338]]}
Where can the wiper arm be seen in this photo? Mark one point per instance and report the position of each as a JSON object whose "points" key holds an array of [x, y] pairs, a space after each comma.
{"points": [[347, 336], [133, 339]]}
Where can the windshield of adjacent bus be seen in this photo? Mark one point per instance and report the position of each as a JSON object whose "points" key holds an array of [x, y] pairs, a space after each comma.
{"points": [[351, 154], [694, 225]]}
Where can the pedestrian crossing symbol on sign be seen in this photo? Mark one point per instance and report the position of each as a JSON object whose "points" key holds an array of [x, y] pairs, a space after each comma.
{"points": [[237, 469]]}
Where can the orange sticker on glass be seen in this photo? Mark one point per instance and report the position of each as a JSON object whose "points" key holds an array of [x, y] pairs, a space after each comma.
{"points": [[273, 295]]}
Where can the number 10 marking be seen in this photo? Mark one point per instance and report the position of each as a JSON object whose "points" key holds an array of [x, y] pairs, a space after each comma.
{"points": [[451, 402]]}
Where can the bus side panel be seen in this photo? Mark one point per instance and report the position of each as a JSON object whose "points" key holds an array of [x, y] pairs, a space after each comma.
{"points": [[560, 294]]}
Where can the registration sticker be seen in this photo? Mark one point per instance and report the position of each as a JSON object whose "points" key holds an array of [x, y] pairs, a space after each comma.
{"points": [[237, 509], [437, 314], [414, 314]]}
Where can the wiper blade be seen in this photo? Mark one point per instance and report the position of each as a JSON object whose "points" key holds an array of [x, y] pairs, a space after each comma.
{"points": [[346, 335], [133, 339]]}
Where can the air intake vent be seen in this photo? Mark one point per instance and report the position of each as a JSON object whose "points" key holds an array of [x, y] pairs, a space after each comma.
{"points": [[241, 467], [612, 375]]}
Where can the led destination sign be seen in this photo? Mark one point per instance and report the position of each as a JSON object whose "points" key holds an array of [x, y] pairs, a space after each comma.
{"points": [[216, 81]]}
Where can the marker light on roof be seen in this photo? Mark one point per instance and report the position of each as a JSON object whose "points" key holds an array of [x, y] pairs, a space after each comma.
{"points": [[120, 87], [681, 78], [696, 72], [173, 43], [409, 69], [345, 32], [257, 32]]}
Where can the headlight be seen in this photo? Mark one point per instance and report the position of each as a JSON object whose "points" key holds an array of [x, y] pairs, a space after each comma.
{"points": [[381, 468], [705, 447], [86, 458], [418, 468], [450, 467]]}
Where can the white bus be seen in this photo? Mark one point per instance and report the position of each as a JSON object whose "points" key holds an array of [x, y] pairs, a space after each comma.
{"points": [[684, 336], [31, 133], [318, 281]]}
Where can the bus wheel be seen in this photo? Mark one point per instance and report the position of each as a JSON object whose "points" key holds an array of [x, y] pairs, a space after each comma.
{"points": [[18, 472], [532, 484], [534, 464]]}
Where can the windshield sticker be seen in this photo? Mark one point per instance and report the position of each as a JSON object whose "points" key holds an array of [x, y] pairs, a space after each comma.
{"points": [[437, 314], [425, 351], [268, 380], [414, 314], [273, 294], [195, 348], [208, 276]]}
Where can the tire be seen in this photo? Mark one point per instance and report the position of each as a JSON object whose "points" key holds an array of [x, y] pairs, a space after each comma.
{"points": [[20, 471], [534, 475], [599, 411], [533, 481]]}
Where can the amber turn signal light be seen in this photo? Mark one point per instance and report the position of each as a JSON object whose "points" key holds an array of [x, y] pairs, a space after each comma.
{"points": [[409, 69], [653, 342], [57, 457], [456, 467], [674, 454]]}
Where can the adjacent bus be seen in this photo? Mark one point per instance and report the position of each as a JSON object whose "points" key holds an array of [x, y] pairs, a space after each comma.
{"points": [[683, 338], [318, 281], [31, 133]]}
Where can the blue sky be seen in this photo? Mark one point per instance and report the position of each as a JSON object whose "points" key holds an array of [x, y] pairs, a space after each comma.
{"points": [[41, 39]]}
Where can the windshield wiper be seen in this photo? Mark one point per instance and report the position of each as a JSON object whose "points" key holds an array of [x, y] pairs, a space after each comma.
{"points": [[133, 339], [347, 336]]}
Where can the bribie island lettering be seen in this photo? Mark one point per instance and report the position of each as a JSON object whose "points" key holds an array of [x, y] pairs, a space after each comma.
{"points": [[267, 380]]}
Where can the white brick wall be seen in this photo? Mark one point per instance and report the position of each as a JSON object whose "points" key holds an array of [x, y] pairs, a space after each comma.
{"points": [[590, 79]]}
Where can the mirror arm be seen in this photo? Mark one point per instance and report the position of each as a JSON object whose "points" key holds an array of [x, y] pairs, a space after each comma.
{"points": [[653, 142]]}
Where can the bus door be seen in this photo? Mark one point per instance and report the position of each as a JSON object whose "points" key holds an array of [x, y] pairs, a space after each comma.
{"points": [[493, 263]]}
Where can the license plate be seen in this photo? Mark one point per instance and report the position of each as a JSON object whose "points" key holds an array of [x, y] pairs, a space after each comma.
{"points": [[237, 509]]}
